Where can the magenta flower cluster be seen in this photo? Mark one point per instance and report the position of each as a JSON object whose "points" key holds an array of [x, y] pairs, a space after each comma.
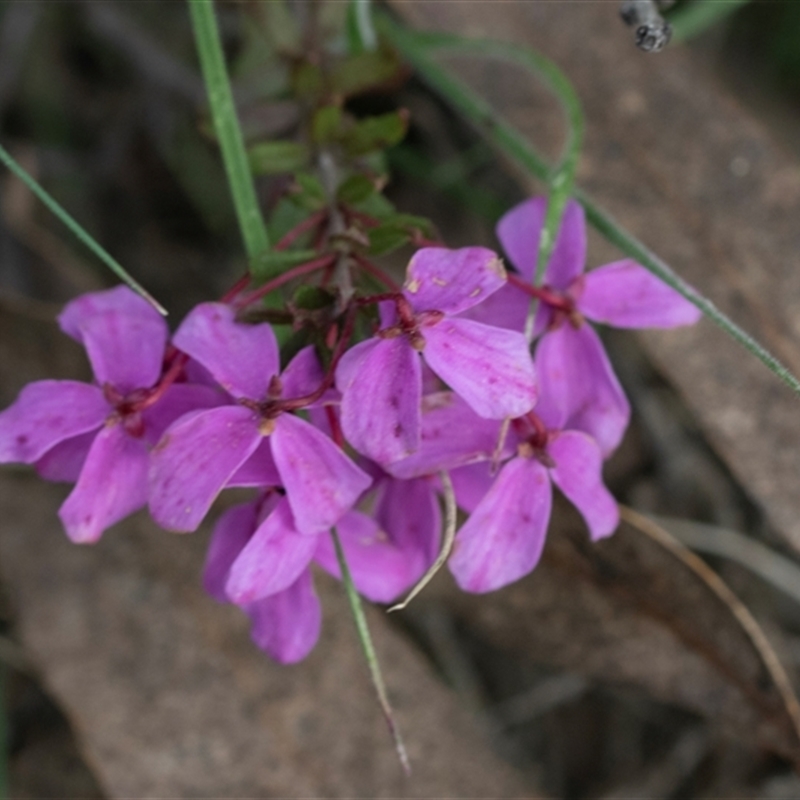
{"points": [[447, 382]]}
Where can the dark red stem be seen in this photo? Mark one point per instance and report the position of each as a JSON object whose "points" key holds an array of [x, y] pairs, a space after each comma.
{"points": [[308, 224], [303, 269], [540, 293], [376, 272]]}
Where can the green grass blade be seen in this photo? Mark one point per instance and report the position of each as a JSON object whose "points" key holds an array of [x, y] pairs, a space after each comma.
{"points": [[77, 230], [513, 144], [692, 19], [365, 639], [226, 126]]}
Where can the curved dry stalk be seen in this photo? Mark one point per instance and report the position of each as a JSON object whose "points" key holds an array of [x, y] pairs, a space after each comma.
{"points": [[741, 613], [447, 542]]}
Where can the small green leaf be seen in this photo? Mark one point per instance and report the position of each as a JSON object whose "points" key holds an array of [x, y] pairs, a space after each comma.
{"points": [[311, 192], [307, 81], [274, 262], [326, 124], [272, 158], [312, 298], [376, 133], [355, 189], [387, 238], [376, 205], [364, 71], [286, 215]]}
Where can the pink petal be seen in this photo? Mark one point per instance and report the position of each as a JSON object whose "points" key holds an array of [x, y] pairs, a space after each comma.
{"points": [[272, 559], [578, 472], [579, 388], [321, 482], [452, 435], [381, 387], [519, 232], [242, 358], [112, 484], [195, 459], [259, 470], [179, 399], [379, 568], [64, 462], [46, 413], [506, 308], [287, 625], [303, 374], [119, 300], [409, 512], [471, 484], [452, 280], [489, 367], [626, 295], [503, 539], [123, 334], [231, 533]]}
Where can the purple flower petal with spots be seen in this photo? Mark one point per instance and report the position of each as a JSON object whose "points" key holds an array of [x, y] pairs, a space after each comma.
{"points": [[381, 385], [626, 295], [286, 625], [47, 413], [489, 367], [231, 533], [272, 560], [242, 358], [321, 482], [504, 537], [179, 399], [471, 484], [578, 473], [519, 231], [409, 513], [452, 281], [579, 388], [112, 484], [123, 334], [259, 470], [303, 375], [194, 460], [64, 462], [380, 569], [452, 435]]}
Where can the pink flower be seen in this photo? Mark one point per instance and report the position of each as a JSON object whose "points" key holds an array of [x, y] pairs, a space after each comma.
{"points": [[204, 452], [101, 435], [583, 391], [381, 378]]}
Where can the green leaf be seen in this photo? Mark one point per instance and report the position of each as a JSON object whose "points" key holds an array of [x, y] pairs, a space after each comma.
{"points": [[287, 214], [359, 30], [273, 158], [326, 125], [267, 265], [307, 81], [311, 192], [363, 71], [355, 189], [386, 239], [312, 298], [376, 133], [376, 205]]}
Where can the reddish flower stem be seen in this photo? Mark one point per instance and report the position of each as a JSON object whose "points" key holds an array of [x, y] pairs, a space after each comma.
{"points": [[167, 379], [360, 216], [237, 287], [303, 269], [336, 428], [308, 224], [540, 293], [376, 272]]}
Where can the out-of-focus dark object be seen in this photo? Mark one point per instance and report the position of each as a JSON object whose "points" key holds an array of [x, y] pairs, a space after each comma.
{"points": [[653, 32]]}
